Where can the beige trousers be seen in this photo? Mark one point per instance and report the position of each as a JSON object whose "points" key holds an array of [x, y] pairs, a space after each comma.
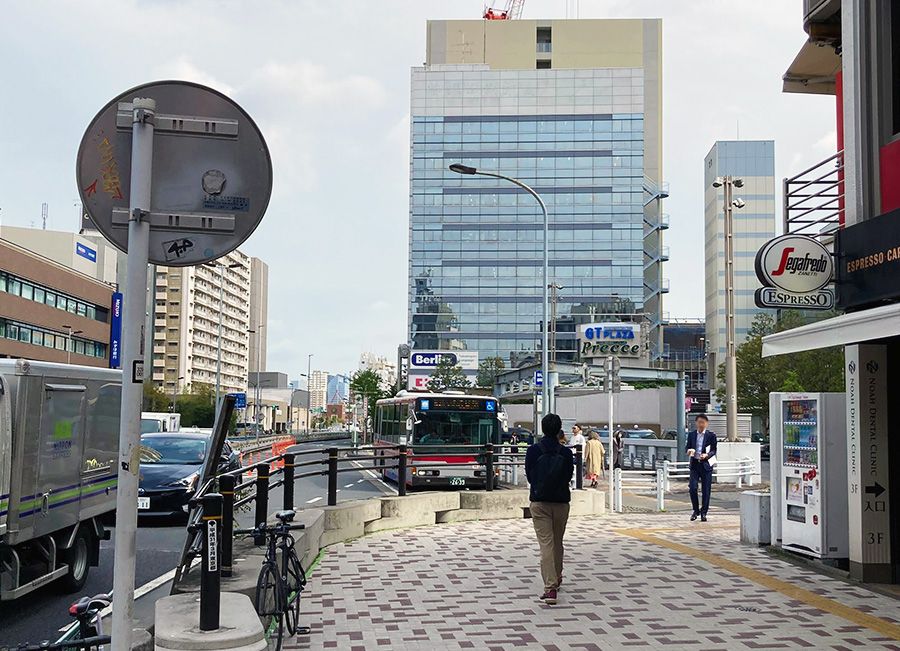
{"points": [[549, 520]]}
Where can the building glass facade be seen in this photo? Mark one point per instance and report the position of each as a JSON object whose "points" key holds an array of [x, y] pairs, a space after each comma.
{"points": [[576, 137]]}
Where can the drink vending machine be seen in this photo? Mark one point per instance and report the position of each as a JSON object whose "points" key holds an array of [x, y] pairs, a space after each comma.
{"points": [[809, 473]]}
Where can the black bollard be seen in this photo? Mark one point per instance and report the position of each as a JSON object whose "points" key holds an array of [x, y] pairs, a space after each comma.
{"points": [[262, 499], [579, 468], [288, 481], [209, 573], [401, 470], [332, 476], [489, 467]]}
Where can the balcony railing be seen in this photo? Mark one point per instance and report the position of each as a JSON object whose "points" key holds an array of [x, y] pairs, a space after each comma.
{"points": [[814, 199]]}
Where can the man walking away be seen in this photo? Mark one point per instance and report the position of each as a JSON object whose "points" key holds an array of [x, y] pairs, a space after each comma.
{"points": [[549, 467], [701, 450]]}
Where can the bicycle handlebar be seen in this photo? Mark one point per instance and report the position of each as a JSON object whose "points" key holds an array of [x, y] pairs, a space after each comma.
{"points": [[269, 529]]}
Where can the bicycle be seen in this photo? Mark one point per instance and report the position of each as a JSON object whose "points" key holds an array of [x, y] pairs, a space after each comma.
{"points": [[278, 588], [88, 632]]}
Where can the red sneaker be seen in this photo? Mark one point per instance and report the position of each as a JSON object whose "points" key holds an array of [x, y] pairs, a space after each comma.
{"points": [[549, 597]]}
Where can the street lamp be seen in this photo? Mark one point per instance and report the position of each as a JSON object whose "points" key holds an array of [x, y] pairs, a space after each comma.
{"points": [[308, 392], [728, 183], [222, 268], [69, 342], [175, 391], [546, 394]]}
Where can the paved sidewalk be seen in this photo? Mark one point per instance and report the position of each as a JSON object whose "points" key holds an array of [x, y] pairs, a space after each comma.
{"points": [[632, 581]]}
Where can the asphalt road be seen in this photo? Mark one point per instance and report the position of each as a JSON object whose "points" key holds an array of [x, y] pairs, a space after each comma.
{"points": [[39, 615]]}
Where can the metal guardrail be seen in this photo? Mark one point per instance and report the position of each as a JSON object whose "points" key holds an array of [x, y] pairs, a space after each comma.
{"points": [[657, 482]]}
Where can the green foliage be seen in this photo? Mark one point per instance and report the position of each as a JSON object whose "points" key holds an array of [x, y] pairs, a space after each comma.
{"points": [[154, 398], [447, 375], [367, 384], [197, 407], [757, 377], [488, 370]]}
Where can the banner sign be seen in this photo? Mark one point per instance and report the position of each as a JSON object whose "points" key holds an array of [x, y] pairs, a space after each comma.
{"points": [[115, 331], [604, 339], [85, 252], [422, 363], [868, 256], [794, 271]]}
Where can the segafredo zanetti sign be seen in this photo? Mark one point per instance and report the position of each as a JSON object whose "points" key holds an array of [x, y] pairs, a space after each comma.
{"points": [[800, 267]]}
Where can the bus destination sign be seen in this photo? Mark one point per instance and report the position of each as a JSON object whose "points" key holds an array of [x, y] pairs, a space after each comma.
{"points": [[457, 404]]}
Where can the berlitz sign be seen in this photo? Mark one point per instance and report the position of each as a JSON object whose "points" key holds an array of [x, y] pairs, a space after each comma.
{"points": [[794, 270]]}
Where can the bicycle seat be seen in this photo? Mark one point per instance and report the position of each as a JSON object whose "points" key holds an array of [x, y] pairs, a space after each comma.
{"points": [[80, 607], [285, 516]]}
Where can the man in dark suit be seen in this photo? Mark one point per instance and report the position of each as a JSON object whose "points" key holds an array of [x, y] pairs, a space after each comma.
{"points": [[700, 448]]}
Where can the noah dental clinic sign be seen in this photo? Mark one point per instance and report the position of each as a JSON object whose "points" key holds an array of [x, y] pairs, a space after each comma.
{"points": [[794, 271]]}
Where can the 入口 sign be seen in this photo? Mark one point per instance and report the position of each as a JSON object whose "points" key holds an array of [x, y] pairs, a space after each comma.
{"points": [[604, 339], [794, 270]]}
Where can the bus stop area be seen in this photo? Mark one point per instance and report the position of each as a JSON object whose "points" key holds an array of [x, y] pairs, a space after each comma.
{"points": [[632, 580]]}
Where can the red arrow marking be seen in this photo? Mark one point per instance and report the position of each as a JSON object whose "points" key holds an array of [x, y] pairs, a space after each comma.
{"points": [[91, 189]]}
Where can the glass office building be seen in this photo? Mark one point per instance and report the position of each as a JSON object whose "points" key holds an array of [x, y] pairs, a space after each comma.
{"points": [[578, 136]]}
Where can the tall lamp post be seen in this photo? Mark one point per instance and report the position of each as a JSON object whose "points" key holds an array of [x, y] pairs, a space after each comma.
{"points": [[459, 168], [222, 268], [71, 332], [728, 183], [175, 390], [309, 393]]}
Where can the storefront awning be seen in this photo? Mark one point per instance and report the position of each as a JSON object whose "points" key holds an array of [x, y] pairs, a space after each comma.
{"points": [[813, 70], [853, 328]]}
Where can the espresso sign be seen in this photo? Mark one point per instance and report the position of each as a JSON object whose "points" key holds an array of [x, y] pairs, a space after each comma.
{"points": [[868, 261], [794, 270]]}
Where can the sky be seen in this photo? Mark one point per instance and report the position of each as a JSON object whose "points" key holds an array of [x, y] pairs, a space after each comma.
{"points": [[328, 84]]}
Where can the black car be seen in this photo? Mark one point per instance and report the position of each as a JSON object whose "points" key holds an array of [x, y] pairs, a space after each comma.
{"points": [[522, 435], [763, 440], [171, 463]]}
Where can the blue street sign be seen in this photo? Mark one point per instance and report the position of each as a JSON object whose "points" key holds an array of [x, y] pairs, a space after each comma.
{"points": [[538, 378], [85, 252], [115, 331], [240, 400]]}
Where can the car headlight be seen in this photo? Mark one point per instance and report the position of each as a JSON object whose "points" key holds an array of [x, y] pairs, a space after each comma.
{"points": [[189, 482]]}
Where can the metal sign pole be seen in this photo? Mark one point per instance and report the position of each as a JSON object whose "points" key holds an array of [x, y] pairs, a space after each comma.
{"points": [[610, 371], [132, 380]]}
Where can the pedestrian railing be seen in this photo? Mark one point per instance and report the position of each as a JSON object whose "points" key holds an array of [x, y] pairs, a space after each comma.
{"points": [[658, 482], [273, 464]]}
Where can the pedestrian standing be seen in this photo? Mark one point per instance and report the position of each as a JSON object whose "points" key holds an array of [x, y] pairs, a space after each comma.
{"points": [[593, 458], [618, 447], [577, 437], [549, 467], [701, 450]]}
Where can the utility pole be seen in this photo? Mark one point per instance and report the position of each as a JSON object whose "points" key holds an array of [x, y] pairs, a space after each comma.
{"points": [[309, 393]]}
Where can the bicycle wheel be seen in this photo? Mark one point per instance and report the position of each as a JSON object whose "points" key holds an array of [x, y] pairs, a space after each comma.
{"points": [[269, 604], [294, 580]]}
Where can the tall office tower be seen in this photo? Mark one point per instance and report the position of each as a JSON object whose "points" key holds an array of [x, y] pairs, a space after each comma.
{"points": [[318, 389], [186, 324], [259, 314], [753, 161], [338, 389], [573, 108]]}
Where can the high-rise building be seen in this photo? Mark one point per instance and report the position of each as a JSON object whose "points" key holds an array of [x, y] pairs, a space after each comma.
{"points": [[385, 369], [338, 389], [318, 389], [186, 324], [259, 315], [573, 108], [753, 161]]}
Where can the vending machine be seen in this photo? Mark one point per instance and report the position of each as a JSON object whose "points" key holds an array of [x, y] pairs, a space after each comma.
{"points": [[809, 472]]}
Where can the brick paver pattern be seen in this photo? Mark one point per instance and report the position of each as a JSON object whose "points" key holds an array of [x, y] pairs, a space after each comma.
{"points": [[475, 586]]}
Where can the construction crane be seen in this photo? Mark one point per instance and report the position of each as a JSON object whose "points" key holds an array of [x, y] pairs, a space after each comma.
{"points": [[512, 11]]}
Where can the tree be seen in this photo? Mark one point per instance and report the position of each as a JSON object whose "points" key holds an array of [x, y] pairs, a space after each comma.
{"points": [[757, 377], [488, 370], [447, 375], [197, 407], [154, 398], [367, 384]]}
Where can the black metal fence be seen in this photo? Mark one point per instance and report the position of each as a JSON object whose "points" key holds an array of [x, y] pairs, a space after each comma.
{"points": [[211, 520]]}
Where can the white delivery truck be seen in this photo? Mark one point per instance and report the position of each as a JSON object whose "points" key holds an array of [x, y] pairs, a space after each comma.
{"points": [[159, 421], [59, 440]]}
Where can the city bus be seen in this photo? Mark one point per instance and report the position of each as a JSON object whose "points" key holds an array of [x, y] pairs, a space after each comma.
{"points": [[430, 424]]}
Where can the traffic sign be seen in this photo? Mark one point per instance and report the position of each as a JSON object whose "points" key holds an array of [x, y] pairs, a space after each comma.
{"points": [[538, 378], [240, 400], [212, 174]]}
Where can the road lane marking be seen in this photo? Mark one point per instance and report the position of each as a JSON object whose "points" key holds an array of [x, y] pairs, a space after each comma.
{"points": [[350, 485], [314, 500], [825, 604]]}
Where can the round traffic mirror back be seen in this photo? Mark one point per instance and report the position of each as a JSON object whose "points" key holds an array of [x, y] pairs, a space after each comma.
{"points": [[211, 179]]}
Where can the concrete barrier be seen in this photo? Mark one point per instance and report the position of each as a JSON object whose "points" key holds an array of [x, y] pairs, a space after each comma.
{"points": [[416, 510], [496, 505], [348, 520], [176, 626]]}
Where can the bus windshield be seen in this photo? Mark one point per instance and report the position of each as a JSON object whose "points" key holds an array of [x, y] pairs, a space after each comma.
{"points": [[456, 428]]}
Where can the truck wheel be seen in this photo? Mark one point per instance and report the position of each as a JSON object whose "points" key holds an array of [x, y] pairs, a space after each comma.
{"points": [[77, 557]]}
